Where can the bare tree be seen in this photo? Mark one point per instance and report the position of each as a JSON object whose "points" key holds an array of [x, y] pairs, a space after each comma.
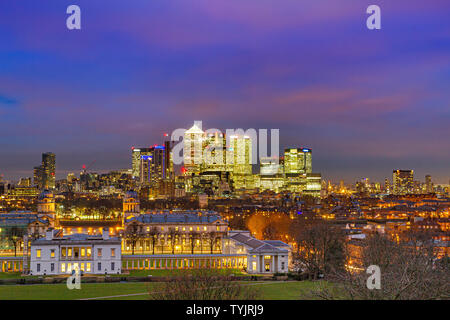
{"points": [[15, 235], [203, 284], [213, 236], [133, 233], [321, 249], [408, 272], [153, 234], [193, 236], [173, 235]]}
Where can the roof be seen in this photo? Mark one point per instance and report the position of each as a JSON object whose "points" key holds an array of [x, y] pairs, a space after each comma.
{"points": [[176, 218], [20, 218], [260, 246], [76, 238]]}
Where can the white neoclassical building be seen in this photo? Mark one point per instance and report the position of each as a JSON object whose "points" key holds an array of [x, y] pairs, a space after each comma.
{"points": [[100, 254], [262, 256]]}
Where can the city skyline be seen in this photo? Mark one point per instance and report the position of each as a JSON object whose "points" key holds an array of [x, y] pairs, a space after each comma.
{"points": [[365, 102]]}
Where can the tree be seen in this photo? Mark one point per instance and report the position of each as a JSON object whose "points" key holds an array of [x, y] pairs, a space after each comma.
{"points": [[15, 235], [133, 233], [320, 249], [203, 284], [212, 240], [407, 272], [193, 236], [173, 235], [154, 233]]}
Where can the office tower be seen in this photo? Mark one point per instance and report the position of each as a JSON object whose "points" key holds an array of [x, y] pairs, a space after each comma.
{"points": [[136, 155], [70, 177], [308, 160], [193, 149], [239, 154], [214, 152], [48, 170], [387, 186], [428, 184], [297, 160], [402, 181], [37, 177], [153, 166], [169, 174]]}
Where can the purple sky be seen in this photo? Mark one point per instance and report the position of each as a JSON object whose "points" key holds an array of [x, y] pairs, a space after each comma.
{"points": [[365, 101]]}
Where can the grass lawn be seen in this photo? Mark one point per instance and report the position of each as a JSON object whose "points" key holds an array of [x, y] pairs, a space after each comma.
{"points": [[269, 290]]}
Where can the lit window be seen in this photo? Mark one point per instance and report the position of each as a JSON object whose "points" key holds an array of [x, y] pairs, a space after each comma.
{"points": [[38, 253], [82, 267], [204, 228], [113, 252], [69, 252], [63, 267], [88, 267], [99, 252], [88, 252], [176, 228], [83, 252], [63, 252], [218, 228], [52, 253]]}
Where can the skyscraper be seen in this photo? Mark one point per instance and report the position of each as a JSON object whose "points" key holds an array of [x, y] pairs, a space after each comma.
{"points": [[429, 188], [193, 149], [297, 160], [240, 154], [48, 169], [402, 181]]}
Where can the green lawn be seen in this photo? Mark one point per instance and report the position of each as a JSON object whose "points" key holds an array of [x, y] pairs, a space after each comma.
{"points": [[269, 290]]}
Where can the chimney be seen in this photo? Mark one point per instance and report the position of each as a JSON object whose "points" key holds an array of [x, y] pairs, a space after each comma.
{"points": [[105, 234], [49, 234]]}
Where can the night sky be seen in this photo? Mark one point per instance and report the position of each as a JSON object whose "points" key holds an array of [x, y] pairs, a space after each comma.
{"points": [[366, 102]]}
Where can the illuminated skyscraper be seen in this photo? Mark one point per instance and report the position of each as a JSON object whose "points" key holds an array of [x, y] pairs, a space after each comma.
{"points": [[297, 160], [429, 188], [150, 165], [240, 154], [403, 181], [136, 154], [44, 175], [193, 149]]}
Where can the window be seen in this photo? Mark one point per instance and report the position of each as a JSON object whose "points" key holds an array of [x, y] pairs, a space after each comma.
{"points": [[52, 267], [63, 267], [282, 265], [99, 266], [254, 265], [38, 253], [83, 252], [63, 252], [218, 228], [190, 228], [204, 228], [88, 252], [82, 267], [52, 253], [176, 228], [76, 252], [99, 252], [112, 265], [113, 252], [69, 252], [88, 267], [38, 266]]}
